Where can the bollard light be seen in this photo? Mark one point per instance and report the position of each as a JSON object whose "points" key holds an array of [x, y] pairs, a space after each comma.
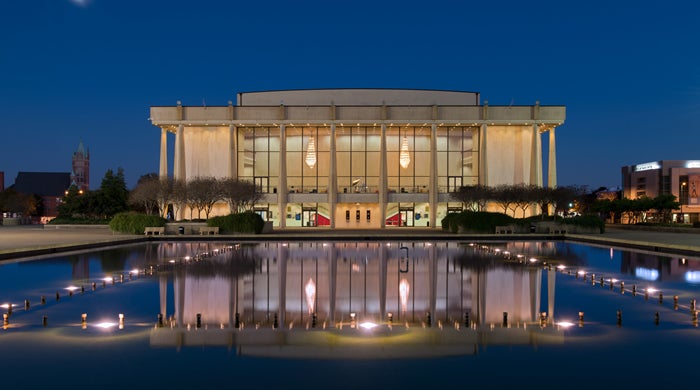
{"points": [[580, 319], [505, 319], [94, 286], [656, 318], [622, 287], [275, 322], [634, 290], [619, 317], [43, 299], [675, 302], [26, 304], [83, 319], [58, 296], [199, 320], [121, 321], [661, 298], [45, 321], [466, 320], [692, 304], [160, 320]]}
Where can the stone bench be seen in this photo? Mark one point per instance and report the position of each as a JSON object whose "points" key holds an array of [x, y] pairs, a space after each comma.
{"points": [[505, 230], [153, 230], [209, 230]]}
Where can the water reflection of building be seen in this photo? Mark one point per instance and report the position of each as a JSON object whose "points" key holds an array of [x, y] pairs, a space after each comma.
{"points": [[653, 267], [330, 285]]}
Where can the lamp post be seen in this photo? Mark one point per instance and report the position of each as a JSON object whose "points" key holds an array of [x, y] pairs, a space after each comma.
{"points": [[682, 198]]}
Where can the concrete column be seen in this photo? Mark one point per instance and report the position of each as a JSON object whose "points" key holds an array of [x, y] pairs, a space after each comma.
{"points": [[332, 179], [163, 172], [552, 169], [536, 158], [382, 178], [233, 152], [433, 190], [179, 164], [483, 166], [179, 168], [282, 192]]}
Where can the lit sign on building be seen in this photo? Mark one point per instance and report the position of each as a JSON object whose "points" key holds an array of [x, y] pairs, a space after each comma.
{"points": [[647, 166], [692, 164]]}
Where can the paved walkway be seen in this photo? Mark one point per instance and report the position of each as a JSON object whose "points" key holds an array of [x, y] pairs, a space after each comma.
{"points": [[19, 241]]}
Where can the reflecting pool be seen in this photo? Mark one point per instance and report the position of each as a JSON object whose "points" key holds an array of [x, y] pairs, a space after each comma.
{"points": [[350, 314]]}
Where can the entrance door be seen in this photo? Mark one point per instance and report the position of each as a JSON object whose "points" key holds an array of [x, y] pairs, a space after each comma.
{"points": [[308, 216], [406, 216]]}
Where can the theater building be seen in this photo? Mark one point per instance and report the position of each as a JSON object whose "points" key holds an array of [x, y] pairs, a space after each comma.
{"points": [[359, 158], [680, 178]]}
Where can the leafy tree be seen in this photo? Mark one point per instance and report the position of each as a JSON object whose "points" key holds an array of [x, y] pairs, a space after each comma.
{"points": [[664, 205], [112, 197]]}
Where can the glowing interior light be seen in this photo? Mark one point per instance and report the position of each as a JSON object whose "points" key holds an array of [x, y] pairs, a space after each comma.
{"points": [[171, 261], [404, 157], [532, 259], [561, 267], [310, 291], [651, 290], [71, 288], [581, 272], [404, 290], [311, 153], [134, 271], [368, 325], [107, 279], [565, 324]]}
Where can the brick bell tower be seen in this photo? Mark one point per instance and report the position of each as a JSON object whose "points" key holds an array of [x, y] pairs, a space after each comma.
{"points": [[80, 174]]}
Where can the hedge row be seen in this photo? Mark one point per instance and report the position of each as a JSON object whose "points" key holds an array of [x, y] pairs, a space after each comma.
{"points": [[134, 223], [246, 222]]}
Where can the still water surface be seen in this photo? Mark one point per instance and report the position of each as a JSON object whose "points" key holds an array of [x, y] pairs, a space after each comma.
{"points": [[343, 314]]}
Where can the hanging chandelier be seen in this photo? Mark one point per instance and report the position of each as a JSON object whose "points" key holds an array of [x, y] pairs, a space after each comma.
{"points": [[311, 153], [404, 157]]}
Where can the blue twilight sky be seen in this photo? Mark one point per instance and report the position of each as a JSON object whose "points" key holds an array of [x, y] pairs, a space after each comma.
{"points": [[71, 70]]}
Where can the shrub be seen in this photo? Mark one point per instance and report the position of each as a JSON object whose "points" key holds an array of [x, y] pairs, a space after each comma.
{"points": [[590, 221], [476, 221], [246, 222], [134, 223]]}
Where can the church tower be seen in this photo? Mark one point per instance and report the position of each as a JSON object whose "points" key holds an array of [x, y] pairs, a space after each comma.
{"points": [[80, 175]]}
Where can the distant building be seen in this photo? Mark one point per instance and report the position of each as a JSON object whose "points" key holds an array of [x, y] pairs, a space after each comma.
{"points": [[80, 174], [51, 186], [677, 177]]}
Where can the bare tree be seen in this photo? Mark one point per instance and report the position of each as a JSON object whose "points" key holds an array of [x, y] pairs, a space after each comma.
{"points": [[145, 194], [241, 195], [473, 198], [178, 195], [202, 193]]}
